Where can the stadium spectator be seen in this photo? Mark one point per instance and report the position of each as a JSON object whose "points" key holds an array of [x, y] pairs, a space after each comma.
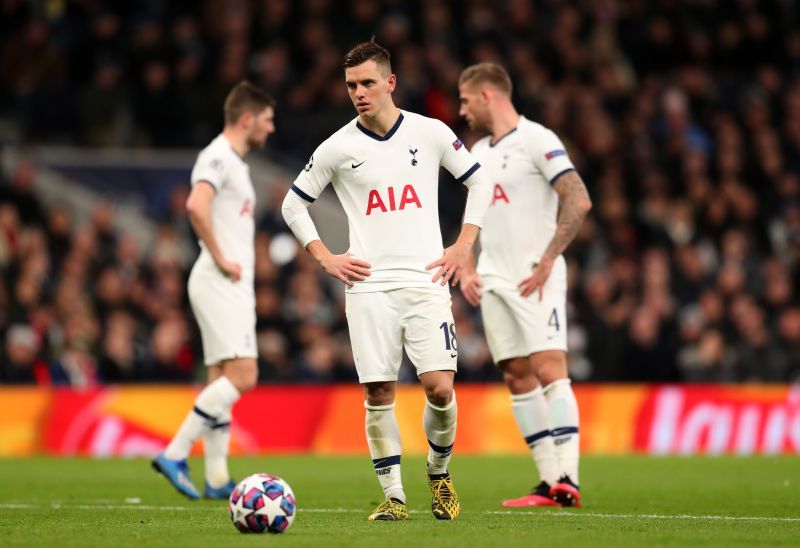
{"points": [[683, 118]]}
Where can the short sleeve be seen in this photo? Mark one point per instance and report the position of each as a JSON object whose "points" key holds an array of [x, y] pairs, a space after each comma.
{"points": [[455, 157], [549, 155], [211, 168], [317, 173]]}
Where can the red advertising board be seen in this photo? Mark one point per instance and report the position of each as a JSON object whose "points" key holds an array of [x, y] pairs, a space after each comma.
{"points": [[615, 419]]}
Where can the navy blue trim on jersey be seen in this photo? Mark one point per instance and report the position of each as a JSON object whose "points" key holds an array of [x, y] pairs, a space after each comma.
{"points": [[377, 137], [533, 438], [440, 449], [469, 172], [209, 183], [386, 461], [221, 425], [556, 432], [303, 195], [554, 179], [204, 414], [491, 144]]}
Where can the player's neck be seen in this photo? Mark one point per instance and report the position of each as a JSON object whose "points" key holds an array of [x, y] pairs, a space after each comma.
{"points": [[504, 120], [383, 122], [237, 140]]}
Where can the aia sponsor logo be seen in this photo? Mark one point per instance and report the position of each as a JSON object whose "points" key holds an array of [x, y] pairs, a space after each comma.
{"points": [[499, 195], [394, 201], [247, 209]]}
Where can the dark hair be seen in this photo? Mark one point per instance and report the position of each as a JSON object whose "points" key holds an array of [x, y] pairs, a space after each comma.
{"points": [[367, 51], [245, 97], [488, 73]]}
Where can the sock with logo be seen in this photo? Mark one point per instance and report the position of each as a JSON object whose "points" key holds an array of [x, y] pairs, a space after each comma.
{"points": [[383, 439], [216, 440], [532, 417], [213, 402], [439, 424], [563, 410]]}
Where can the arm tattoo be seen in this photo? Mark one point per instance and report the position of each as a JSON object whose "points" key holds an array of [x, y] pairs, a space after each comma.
{"points": [[573, 205]]}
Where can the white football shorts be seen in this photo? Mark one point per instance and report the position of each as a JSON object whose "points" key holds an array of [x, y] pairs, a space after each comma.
{"points": [[517, 326], [382, 323], [226, 314]]}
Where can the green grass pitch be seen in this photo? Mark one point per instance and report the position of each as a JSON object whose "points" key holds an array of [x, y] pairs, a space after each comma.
{"points": [[628, 501]]}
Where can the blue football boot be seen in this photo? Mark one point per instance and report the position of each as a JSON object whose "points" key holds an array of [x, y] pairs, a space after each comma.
{"points": [[177, 472], [219, 493]]}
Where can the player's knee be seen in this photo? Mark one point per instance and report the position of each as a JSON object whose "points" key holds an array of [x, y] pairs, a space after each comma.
{"points": [[519, 375], [377, 393], [244, 376], [552, 369], [439, 394], [249, 382], [520, 382]]}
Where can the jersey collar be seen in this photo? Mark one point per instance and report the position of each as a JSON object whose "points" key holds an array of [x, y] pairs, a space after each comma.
{"points": [[377, 137], [494, 144]]}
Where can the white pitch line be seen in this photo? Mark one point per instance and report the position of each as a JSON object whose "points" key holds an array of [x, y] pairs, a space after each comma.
{"points": [[575, 514], [581, 514]]}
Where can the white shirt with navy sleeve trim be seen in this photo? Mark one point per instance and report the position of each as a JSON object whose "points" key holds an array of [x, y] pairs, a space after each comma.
{"points": [[232, 209], [521, 221], [389, 188]]}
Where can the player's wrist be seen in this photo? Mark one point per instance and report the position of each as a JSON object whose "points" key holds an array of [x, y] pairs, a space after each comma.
{"points": [[319, 251], [547, 260]]}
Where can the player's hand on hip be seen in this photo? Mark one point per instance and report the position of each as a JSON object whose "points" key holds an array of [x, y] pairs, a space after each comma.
{"points": [[346, 268], [451, 265], [230, 269], [472, 288], [535, 282]]}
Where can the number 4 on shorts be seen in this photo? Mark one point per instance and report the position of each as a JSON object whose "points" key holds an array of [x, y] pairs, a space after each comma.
{"points": [[553, 321]]}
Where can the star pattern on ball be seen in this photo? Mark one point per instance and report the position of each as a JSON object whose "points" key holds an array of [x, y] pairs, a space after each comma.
{"points": [[239, 512]]}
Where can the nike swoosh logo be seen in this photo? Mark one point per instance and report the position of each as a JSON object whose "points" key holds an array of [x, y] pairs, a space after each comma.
{"points": [[356, 165], [453, 355]]}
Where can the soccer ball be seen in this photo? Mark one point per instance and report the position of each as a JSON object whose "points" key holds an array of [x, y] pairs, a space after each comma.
{"points": [[262, 503]]}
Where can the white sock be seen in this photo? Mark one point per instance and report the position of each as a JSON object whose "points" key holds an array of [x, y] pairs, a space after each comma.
{"points": [[563, 409], [531, 413], [383, 439], [440, 428], [214, 400], [216, 440]]}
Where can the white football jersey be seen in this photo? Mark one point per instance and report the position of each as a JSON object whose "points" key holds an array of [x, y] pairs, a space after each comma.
{"points": [[521, 220], [233, 207], [389, 189]]}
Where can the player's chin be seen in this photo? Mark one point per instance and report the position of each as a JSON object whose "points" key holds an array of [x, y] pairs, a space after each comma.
{"points": [[256, 143]]}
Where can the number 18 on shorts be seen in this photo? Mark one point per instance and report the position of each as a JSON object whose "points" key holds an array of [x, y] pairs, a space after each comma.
{"points": [[382, 323]]}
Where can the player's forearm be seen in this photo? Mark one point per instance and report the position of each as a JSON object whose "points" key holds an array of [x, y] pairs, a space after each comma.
{"points": [[469, 266], [295, 213], [467, 237], [204, 228], [318, 250], [479, 197], [574, 205]]}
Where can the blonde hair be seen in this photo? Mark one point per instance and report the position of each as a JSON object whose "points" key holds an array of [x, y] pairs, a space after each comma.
{"points": [[487, 73]]}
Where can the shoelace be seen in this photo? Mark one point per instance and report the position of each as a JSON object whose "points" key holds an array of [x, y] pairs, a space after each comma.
{"points": [[443, 490]]}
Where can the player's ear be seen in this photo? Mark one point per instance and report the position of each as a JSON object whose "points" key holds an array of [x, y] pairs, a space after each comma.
{"points": [[392, 81], [246, 121], [486, 94]]}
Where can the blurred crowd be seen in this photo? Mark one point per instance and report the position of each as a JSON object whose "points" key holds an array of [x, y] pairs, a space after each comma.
{"points": [[682, 117]]}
